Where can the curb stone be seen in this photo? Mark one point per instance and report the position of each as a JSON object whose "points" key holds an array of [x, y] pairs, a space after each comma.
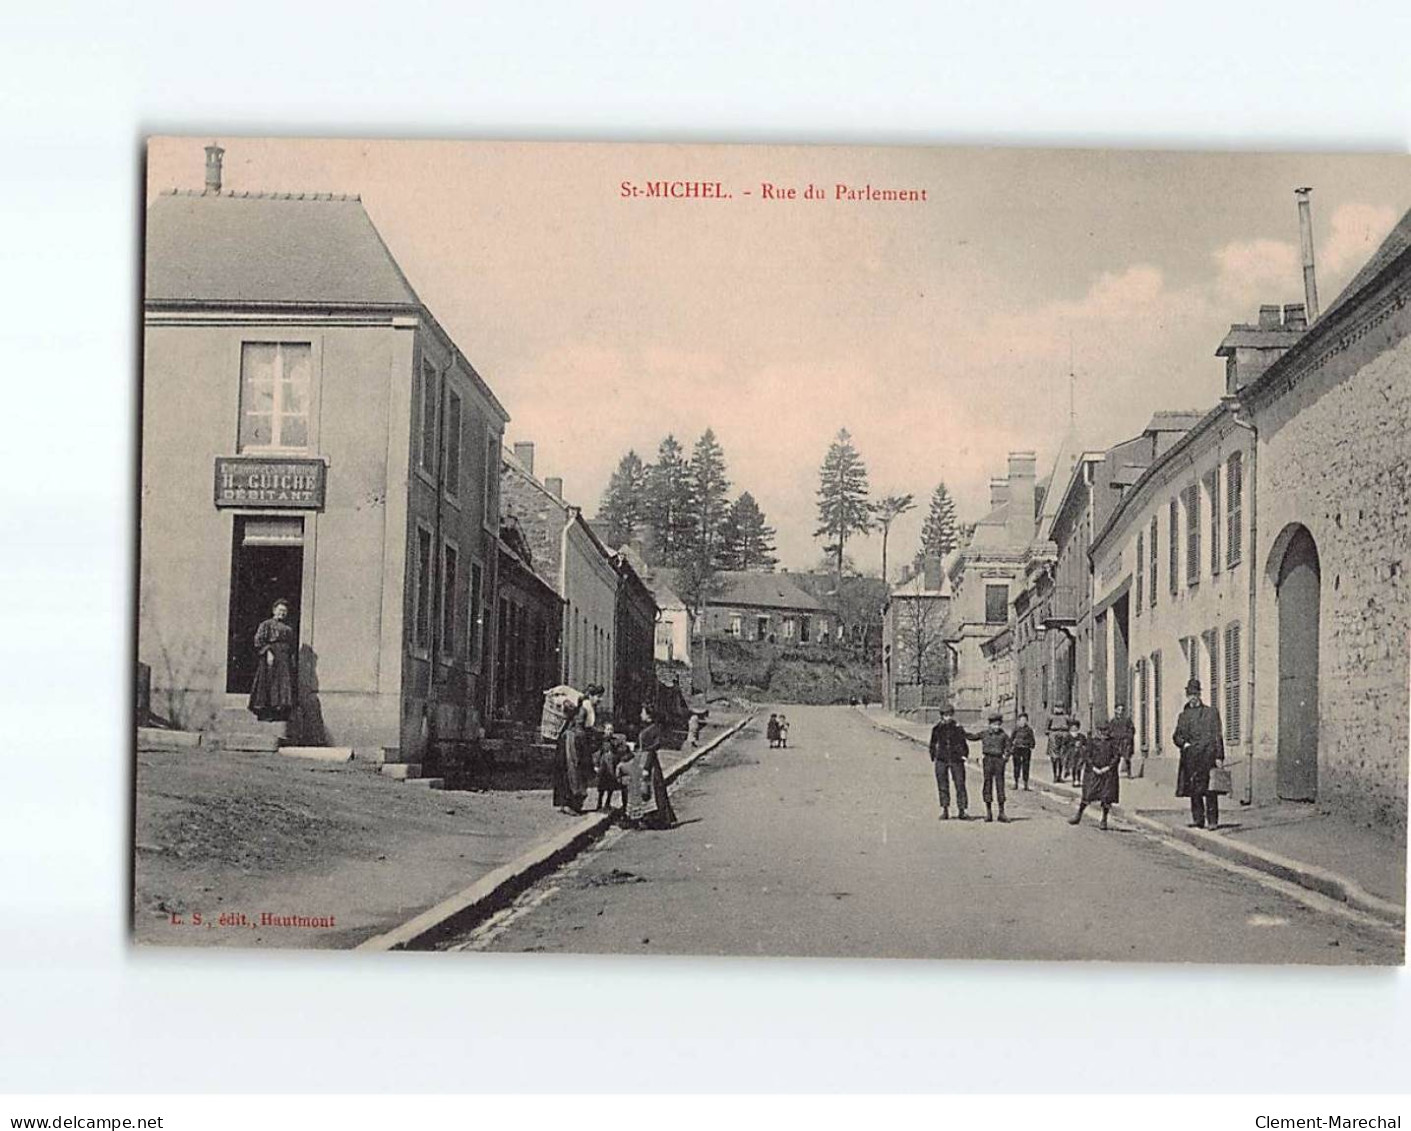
{"points": [[1309, 876], [497, 888]]}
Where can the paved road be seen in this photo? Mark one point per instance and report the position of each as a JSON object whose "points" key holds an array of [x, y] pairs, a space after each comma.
{"points": [[833, 848]]}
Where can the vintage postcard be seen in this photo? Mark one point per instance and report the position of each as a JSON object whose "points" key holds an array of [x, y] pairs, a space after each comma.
{"points": [[774, 551]]}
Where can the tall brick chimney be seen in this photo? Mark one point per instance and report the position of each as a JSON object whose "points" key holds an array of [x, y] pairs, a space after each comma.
{"points": [[554, 485], [524, 452], [932, 566], [1023, 471], [214, 153]]}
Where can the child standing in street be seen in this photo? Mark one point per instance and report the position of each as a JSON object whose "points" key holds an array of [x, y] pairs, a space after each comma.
{"points": [[994, 750], [784, 731]]}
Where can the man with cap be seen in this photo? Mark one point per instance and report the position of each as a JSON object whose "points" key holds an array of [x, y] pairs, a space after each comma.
{"points": [[1200, 737], [948, 753], [994, 749]]}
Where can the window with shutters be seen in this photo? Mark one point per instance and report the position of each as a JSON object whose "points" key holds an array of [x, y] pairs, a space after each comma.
{"points": [[1192, 494], [1173, 538], [1141, 565], [453, 445], [1143, 706], [1156, 700], [1154, 526], [996, 604], [1234, 505], [1212, 487], [1211, 638], [450, 578], [428, 394], [1232, 682]]}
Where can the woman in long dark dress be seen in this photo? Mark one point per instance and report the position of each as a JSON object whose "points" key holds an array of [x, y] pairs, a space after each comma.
{"points": [[647, 802], [272, 693], [570, 788], [1099, 776]]}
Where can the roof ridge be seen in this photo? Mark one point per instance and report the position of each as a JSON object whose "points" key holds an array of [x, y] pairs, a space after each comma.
{"points": [[247, 195]]}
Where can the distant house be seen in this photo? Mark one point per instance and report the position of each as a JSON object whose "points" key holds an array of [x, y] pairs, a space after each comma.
{"points": [[672, 634], [770, 607], [916, 658]]}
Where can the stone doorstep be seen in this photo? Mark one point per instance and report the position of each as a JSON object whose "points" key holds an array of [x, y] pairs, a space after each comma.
{"points": [[400, 771], [429, 783], [319, 753], [245, 743], [156, 738]]}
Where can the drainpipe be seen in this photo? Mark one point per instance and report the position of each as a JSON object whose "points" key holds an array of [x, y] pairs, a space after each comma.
{"points": [[1253, 560]]}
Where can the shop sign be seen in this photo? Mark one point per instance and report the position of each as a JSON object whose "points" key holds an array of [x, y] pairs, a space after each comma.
{"points": [[243, 481]]}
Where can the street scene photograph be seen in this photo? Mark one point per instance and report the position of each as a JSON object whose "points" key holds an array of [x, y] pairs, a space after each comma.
{"points": [[773, 551]]}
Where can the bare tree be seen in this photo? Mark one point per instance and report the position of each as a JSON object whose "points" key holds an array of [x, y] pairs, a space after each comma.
{"points": [[920, 638]]}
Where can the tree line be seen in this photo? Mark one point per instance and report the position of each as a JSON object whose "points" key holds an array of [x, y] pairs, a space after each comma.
{"points": [[845, 508], [684, 503]]}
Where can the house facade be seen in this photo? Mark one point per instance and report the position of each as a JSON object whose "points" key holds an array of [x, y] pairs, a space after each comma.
{"points": [[529, 623], [916, 658], [579, 568], [1329, 560], [764, 607], [310, 432], [984, 575]]}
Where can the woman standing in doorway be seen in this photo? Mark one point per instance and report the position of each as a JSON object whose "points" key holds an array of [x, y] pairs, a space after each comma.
{"points": [[272, 693]]}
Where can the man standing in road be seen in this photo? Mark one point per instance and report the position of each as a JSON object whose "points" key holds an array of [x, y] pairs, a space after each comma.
{"points": [[994, 749], [1022, 742], [1123, 737], [948, 753], [1200, 737]]}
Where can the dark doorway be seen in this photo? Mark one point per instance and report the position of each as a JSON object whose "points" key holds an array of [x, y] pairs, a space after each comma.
{"points": [[1121, 678], [1099, 704], [267, 563], [1298, 598]]}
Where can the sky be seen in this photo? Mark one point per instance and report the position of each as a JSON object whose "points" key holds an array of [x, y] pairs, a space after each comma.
{"points": [[940, 333]]}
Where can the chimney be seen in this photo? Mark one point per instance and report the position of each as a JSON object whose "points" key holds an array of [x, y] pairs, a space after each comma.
{"points": [[1023, 470], [932, 566], [1269, 316], [524, 452], [554, 485], [1294, 316], [1305, 239], [214, 153], [999, 492]]}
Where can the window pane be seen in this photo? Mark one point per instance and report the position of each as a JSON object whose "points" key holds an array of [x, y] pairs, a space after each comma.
{"points": [[294, 432], [256, 430]]}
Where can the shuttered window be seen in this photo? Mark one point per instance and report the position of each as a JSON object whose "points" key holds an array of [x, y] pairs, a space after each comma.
{"points": [[1232, 682], [1156, 699], [1213, 487], [1141, 565], [1173, 537], [1234, 506], [1211, 636], [1193, 534], [1155, 525], [1143, 705]]}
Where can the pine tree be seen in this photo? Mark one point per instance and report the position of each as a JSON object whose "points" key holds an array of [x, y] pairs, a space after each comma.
{"points": [[709, 496], [624, 505], [939, 533], [670, 507], [843, 508], [753, 537]]}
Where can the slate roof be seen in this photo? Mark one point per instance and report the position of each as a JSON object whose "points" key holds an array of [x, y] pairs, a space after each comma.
{"points": [[1174, 420], [752, 587], [916, 587], [263, 248], [1242, 335], [1397, 241]]}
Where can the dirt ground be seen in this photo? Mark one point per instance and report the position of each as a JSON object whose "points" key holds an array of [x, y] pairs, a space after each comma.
{"points": [[335, 852]]}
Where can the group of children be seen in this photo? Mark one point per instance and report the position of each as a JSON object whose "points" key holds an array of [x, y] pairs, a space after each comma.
{"points": [[777, 731]]}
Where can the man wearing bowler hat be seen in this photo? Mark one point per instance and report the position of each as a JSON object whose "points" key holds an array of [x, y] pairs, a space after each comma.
{"points": [[1200, 737]]}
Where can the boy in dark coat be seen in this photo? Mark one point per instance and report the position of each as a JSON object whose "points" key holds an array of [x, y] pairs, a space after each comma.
{"points": [[948, 754], [994, 749], [1124, 737], [1200, 737], [1022, 743], [1099, 775]]}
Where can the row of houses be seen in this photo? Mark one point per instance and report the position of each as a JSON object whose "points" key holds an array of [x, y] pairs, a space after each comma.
{"points": [[1260, 546], [311, 433]]}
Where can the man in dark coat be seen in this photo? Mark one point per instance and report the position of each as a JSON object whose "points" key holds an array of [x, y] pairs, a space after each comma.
{"points": [[1099, 775], [1123, 736], [1022, 743], [948, 753], [994, 749], [1200, 737]]}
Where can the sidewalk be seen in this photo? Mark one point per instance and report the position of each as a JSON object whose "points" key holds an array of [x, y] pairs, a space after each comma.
{"points": [[1299, 843]]}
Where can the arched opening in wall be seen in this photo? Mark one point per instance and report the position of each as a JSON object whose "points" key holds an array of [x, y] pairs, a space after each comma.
{"points": [[1294, 565]]}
